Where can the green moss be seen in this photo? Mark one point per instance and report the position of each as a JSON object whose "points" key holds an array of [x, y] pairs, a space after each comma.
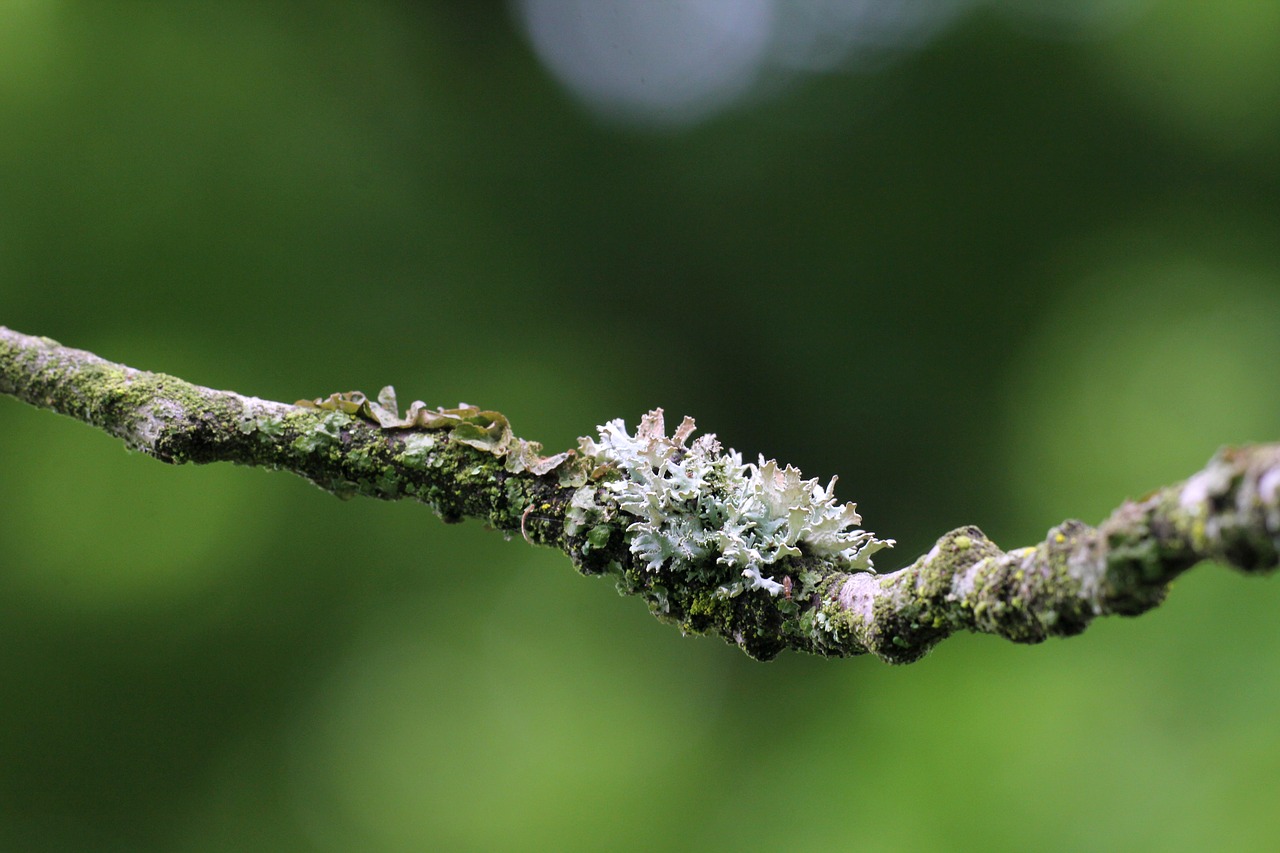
{"points": [[388, 482]]}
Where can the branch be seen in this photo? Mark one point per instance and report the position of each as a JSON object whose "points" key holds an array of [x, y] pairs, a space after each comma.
{"points": [[752, 553]]}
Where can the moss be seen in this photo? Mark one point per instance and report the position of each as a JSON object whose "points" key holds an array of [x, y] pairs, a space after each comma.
{"points": [[388, 483]]}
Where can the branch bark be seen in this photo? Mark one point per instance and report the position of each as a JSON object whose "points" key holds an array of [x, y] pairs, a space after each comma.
{"points": [[466, 463]]}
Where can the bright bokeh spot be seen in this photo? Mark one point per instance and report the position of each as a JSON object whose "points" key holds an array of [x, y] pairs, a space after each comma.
{"points": [[678, 62], [681, 61], [672, 61]]}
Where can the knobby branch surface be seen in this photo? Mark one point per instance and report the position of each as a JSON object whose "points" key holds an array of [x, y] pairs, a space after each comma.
{"points": [[465, 463]]}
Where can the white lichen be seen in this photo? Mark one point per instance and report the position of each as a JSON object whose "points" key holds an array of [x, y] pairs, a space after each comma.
{"points": [[964, 583], [1213, 481], [696, 507], [1088, 570], [858, 596], [1269, 493]]}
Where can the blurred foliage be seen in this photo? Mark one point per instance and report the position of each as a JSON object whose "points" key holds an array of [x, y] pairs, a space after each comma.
{"points": [[1005, 280]]}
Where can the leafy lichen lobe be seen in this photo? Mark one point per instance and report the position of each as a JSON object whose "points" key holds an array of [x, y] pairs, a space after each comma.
{"points": [[466, 424], [694, 508]]}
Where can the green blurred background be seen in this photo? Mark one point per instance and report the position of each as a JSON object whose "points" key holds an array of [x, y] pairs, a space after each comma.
{"points": [[999, 267]]}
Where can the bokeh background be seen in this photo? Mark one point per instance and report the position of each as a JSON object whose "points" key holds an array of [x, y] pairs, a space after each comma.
{"points": [[1000, 263]]}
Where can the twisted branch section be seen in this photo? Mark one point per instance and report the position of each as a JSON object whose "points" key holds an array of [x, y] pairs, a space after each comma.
{"points": [[1228, 513]]}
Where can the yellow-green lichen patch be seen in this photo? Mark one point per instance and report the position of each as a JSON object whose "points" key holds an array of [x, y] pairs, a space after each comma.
{"points": [[326, 432], [417, 448], [481, 429], [268, 429]]}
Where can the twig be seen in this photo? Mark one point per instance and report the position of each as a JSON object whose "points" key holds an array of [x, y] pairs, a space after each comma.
{"points": [[752, 553]]}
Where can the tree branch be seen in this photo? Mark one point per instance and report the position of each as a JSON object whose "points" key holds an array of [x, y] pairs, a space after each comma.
{"points": [[751, 553]]}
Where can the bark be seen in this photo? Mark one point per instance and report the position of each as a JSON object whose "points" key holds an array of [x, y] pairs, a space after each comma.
{"points": [[466, 463]]}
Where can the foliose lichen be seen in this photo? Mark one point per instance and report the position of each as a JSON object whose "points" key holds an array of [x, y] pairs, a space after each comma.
{"points": [[697, 505], [470, 425]]}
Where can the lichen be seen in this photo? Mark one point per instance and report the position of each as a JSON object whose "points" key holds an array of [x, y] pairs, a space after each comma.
{"points": [[751, 552], [326, 432], [470, 425], [417, 448], [695, 505]]}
